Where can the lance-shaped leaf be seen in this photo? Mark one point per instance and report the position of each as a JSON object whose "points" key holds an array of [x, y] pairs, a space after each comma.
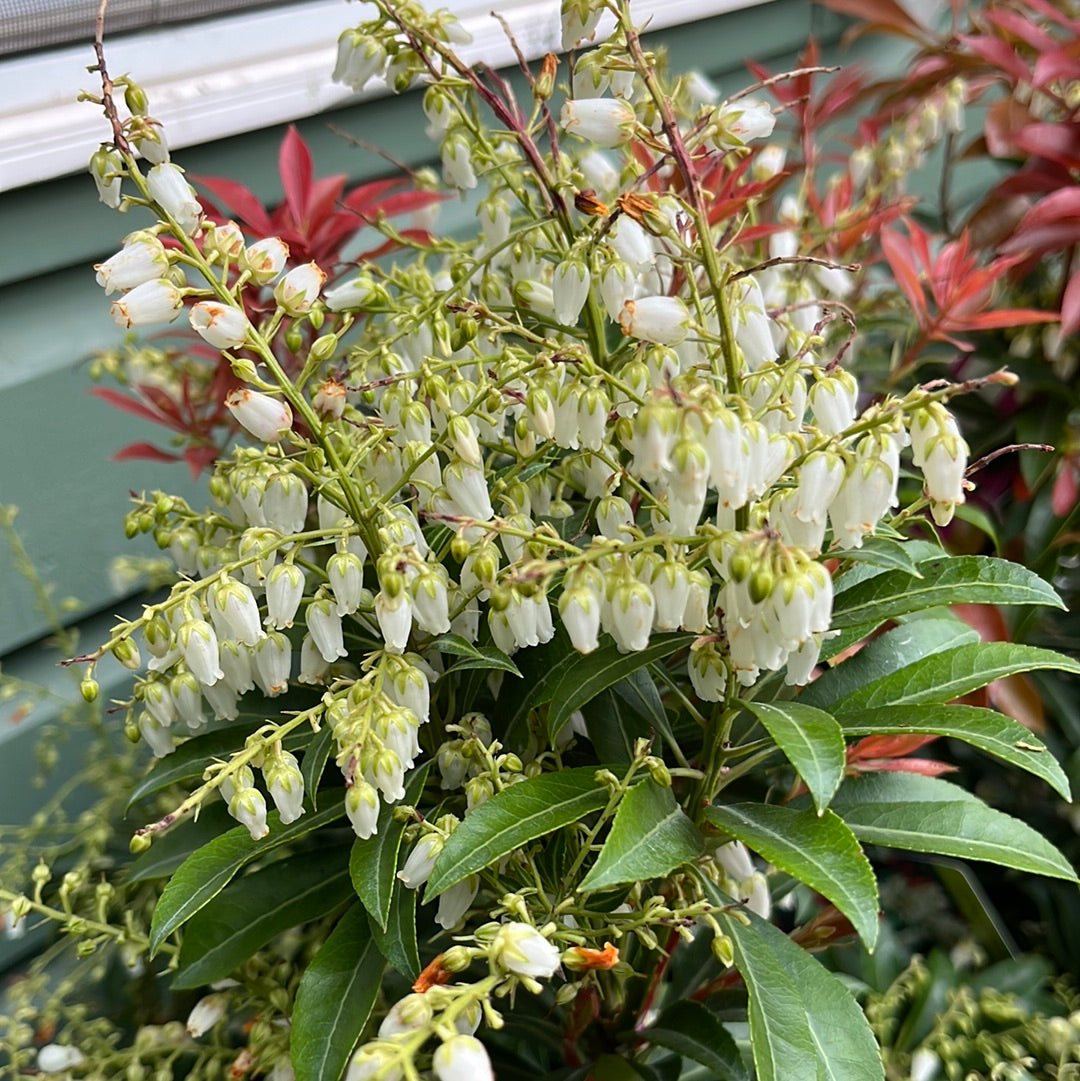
{"points": [[254, 910], [690, 1030], [169, 851], [512, 818], [397, 941], [889, 554], [986, 729], [205, 873], [812, 742], [946, 580], [952, 674], [334, 999], [802, 1018], [650, 837], [927, 814], [314, 762], [903, 645], [820, 851], [373, 862], [585, 676]]}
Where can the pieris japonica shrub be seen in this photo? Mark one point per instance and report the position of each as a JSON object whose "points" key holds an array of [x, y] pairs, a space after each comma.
{"points": [[533, 630]]}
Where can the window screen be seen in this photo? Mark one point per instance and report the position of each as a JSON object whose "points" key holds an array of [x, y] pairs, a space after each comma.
{"points": [[41, 24]]}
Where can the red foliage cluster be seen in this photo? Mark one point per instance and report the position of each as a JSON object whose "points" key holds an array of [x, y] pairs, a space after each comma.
{"points": [[316, 219]]}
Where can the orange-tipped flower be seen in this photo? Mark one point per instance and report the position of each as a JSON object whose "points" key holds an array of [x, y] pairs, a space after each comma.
{"points": [[583, 958], [432, 976]]}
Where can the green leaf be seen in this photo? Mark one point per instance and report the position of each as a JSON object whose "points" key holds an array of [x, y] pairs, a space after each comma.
{"points": [[952, 674], [488, 658], [820, 851], [373, 862], [812, 742], [803, 1021], [169, 850], [334, 999], [649, 838], [946, 580], [902, 645], [985, 729], [314, 763], [512, 818], [690, 1030], [540, 668], [253, 910], [621, 714], [926, 814], [587, 675], [205, 873], [397, 942], [887, 553], [456, 645]]}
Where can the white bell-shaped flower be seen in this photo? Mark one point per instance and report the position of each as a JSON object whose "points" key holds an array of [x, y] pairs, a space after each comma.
{"points": [[462, 1058], [523, 950]]}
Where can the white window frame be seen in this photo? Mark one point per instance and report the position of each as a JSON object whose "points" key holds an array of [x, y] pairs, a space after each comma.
{"points": [[220, 77]]}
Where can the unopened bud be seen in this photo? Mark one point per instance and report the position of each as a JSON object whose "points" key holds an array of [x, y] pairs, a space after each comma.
{"points": [[135, 99], [139, 842], [89, 688], [545, 81], [658, 771]]}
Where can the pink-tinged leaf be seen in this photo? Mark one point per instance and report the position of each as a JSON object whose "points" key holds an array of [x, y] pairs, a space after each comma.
{"points": [[294, 164], [898, 252], [1038, 176], [145, 452], [1058, 142], [1064, 494], [1009, 317], [1004, 119], [999, 54], [1070, 306], [888, 14], [240, 201], [1023, 29], [928, 767], [891, 746], [1057, 65], [1053, 12], [1064, 203], [1045, 238]]}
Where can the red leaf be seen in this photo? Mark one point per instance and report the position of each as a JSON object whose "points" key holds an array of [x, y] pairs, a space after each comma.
{"points": [[405, 202], [240, 201], [998, 53], [198, 458], [886, 13], [887, 746], [365, 199], [1045, 238], [144, 451], [1056, 65], [294, 164], [1070, 306], [1024, 29], [1009, 317], [129, 405], [928, 767], [898, 252], [1064, 495]]}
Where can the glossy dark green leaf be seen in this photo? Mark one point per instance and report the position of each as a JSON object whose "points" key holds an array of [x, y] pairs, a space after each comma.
{"points": [[250, 912], [690, 1030], [586, 675], [487, 658], [887, 553], [818, 850], [373, 862], [803, 1021], [512, 818], [613, 727], [206, 872], [952, 674], [170, 849], [397, 941], [946, 580], [927, 814], [334, 999], [811, 741], [540, 668], [456, 645], [650, 837], [986, 729], [896, 648], [316, 755]]}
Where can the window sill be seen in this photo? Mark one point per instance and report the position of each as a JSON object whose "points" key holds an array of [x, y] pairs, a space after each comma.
{"points": [[202, 90]]}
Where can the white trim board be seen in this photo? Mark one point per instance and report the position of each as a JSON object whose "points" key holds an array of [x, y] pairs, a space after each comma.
{"points": [[215, 78]]}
